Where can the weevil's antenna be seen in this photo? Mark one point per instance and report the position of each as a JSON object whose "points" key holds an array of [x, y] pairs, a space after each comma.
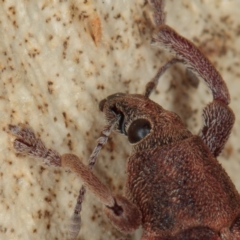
{"points": [[75, 220], [152, 84]]}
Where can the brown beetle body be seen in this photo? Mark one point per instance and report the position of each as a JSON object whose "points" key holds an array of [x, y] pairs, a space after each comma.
{"points": [[175, 187], [172, 175]]}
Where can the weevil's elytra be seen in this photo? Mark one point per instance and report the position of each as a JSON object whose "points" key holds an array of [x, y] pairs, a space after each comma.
{"points": [[175, 187]]}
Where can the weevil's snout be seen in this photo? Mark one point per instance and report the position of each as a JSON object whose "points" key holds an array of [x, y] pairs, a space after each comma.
{"points": [[130, 113], [102, 102]]}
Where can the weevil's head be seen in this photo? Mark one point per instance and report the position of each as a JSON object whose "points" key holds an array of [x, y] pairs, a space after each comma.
{"points": [[144, 122]]}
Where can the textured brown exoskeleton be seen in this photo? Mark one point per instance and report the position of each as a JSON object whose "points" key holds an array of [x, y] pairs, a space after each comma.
{"points": [[175, 187]]}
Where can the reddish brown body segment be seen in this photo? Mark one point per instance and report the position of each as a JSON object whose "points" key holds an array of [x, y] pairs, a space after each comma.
{"points": [[175, 187], [173, 177], [186, 191]]}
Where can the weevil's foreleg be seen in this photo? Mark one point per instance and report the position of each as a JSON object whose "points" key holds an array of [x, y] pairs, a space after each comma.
{"points": [[152, 84], [73, 163], [158, 14], [75, 220], [218, 117], [165, 37], [27, 144], [218, 123], [123, 214]]}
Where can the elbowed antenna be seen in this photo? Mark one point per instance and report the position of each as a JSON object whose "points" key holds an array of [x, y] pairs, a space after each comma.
{"points": [[75, 220]]}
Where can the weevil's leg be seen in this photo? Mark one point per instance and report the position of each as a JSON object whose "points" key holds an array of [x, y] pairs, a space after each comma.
{"points": [[151, 85], [123, 214], [218, 123], [26, 143], [165, 37], [158, 15], [75, 221], [218, 117], [129, 218]]}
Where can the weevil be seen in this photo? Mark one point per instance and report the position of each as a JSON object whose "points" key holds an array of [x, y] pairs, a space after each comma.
{"points": [[175, 187]]}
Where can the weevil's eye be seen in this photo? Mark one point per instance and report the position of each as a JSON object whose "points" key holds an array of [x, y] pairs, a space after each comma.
{"points": [[138, 129]]}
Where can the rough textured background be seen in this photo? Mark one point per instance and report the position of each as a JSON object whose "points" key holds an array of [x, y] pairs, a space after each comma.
{"points": [[58, 59]]}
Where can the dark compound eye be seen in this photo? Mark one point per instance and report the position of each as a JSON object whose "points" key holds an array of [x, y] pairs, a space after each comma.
{"points": [[138, 130]]}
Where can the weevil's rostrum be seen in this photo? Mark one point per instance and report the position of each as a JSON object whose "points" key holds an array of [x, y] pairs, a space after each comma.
{"points": [[175, 187], [160, 126]]}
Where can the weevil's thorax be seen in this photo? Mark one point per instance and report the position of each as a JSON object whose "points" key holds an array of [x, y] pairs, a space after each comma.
{"points": [[145, 123]]}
